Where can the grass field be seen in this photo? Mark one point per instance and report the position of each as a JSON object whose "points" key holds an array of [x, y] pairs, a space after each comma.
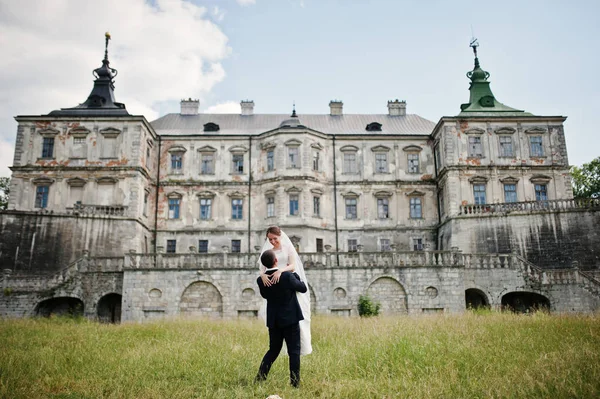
{"points": [[475, 355]]}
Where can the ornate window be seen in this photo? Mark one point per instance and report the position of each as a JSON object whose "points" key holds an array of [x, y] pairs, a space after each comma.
{"points": [[541, 192], [475, 147], [413, 163], [207, 160], [174, 205], [293, 148], [510, 192], [48, 147], [316, 154], [506, 146], [351, 207], [479, 194], [41, 196], [271, 160], [203, 246], [237, 208], [352, 245], [383, 208], [416, 208], [294, 201], [350, 159], [211, 127], [373, 127], [109, 142], [316, 206], [237, 159], [205, 208], [270, 207], [417, 244], [171, 246], [536, 146]]}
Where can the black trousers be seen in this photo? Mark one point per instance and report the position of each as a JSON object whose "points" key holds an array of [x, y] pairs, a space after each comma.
{"points": [[291, 335]]}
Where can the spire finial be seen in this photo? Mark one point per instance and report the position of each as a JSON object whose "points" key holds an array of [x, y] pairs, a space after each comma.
{"points": [[107, 38], [294, 110], [474, 44]]}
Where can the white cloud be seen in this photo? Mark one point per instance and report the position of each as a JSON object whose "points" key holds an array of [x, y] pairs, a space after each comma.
{"points": [[218, 13], [165, 51], [244, 3], [7, 152], [228, 107]]}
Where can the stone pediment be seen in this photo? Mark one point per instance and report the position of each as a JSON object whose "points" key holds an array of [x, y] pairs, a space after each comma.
{"points": [[380, 148], [415, 193], [48, 132], [80, 131], [475, 130], [76, 182], [110, 131], [540, 179], [478, 179], [293, 143], [238, 149], [535, 130], [106, 180], [207, 148], [412, 148], [349, 148], [316, 146], [383, 194], [505, 130], [176, 149]]}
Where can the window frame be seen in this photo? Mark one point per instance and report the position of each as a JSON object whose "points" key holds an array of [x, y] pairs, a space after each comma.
{"points": [[203, 246], [42, 195], [536, 150], [477, 197], [171, 247], [237, 248], [237, 209], [414, 206], [352, 245], [174, 207], [271, 160], [294, 204], [207, 208], [348, 206], [511, 193], [270, 206]]}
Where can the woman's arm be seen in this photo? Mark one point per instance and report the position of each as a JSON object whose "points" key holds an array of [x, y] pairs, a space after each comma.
{"points": [[290, 267]]}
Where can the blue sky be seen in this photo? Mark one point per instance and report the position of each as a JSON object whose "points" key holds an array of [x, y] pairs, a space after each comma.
{"points": [[542, 56]]}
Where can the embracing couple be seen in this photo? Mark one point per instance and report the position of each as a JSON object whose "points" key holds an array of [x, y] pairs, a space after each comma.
{"points": [[283, 284]]}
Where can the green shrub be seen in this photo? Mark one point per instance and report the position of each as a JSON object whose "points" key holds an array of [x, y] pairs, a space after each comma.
{"points": [[366, 307]]}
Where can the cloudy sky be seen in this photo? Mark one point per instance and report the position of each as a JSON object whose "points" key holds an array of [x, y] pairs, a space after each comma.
{"points": [[543, 57]]}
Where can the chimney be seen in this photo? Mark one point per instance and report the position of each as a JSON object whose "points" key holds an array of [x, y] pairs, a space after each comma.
{"points": [[397, 108], [247, 107], [336, 108], [189, 107]]}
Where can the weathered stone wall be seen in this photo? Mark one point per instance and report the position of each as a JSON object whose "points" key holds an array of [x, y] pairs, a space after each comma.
{"points": [[546, 239], [45, 242]]}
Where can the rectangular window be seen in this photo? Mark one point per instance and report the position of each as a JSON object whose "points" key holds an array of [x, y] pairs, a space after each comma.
{"points": [[381, 164], [41, 196], [352, 245], [351, 208], [536, 147], [205, 208], [315, 164], [441, 196], [475, 148], [294, 161], [236, 246], [171, 246], [317, 206], [319, 245], [207, 164], [236, 208], [350, 162], [416, 212], [79, 149], [238, 163], [270, 207], [148, 156], [48, 147], [506, 146], [294, 199], [541, 192], [479, 194], [383, 208], [176, 161], [146, 204], [174, 208], [384, 244], [417, 244], [270, 161], [438, 157], [510, 193], [413, 163], [203, 246]]}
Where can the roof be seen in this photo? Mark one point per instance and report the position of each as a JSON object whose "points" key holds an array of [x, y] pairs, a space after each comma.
{"points": [[233, 124]]}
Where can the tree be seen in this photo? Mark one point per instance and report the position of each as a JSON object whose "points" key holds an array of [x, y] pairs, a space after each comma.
{"points": [[586, 180], [4, 190]]}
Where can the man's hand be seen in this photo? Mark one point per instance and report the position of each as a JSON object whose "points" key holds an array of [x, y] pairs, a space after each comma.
{"points": [[276, 276], [266, 280]]}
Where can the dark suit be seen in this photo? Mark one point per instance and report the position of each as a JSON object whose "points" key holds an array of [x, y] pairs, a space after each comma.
{"points": [[283, 318]]}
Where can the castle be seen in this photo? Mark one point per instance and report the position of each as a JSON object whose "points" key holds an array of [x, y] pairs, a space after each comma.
{"points": [[124, 219]]}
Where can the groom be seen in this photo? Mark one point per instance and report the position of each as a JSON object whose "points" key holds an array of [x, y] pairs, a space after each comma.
{"points": [[283, 318]]}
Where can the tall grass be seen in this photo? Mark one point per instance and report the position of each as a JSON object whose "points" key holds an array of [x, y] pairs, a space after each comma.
{"points": [[488, 355]]}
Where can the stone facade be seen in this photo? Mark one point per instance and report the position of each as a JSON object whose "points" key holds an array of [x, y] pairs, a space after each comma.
{"points": [[117, 218]]}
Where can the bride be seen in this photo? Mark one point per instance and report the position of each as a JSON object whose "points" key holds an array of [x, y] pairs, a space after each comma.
{"points": [[286, 254]]}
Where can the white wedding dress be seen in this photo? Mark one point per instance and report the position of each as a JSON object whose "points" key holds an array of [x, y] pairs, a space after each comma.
{"points": [[285, 255]]}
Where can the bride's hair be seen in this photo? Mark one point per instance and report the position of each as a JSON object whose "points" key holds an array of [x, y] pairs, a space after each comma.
{"points": [[274, 230]]}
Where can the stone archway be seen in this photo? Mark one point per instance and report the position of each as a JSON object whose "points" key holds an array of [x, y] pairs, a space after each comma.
{"points": [[525, 302], [476, 299], [61, 306], [390, 294], [109, 308], [201, 299]]}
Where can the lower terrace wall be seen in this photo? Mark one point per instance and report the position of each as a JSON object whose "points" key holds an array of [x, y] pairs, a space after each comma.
{"points": [[546, 239], [43, 242]]}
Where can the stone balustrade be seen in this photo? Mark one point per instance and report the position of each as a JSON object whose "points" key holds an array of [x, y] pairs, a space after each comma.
{"points": [[531, 206], [91, 209]]}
